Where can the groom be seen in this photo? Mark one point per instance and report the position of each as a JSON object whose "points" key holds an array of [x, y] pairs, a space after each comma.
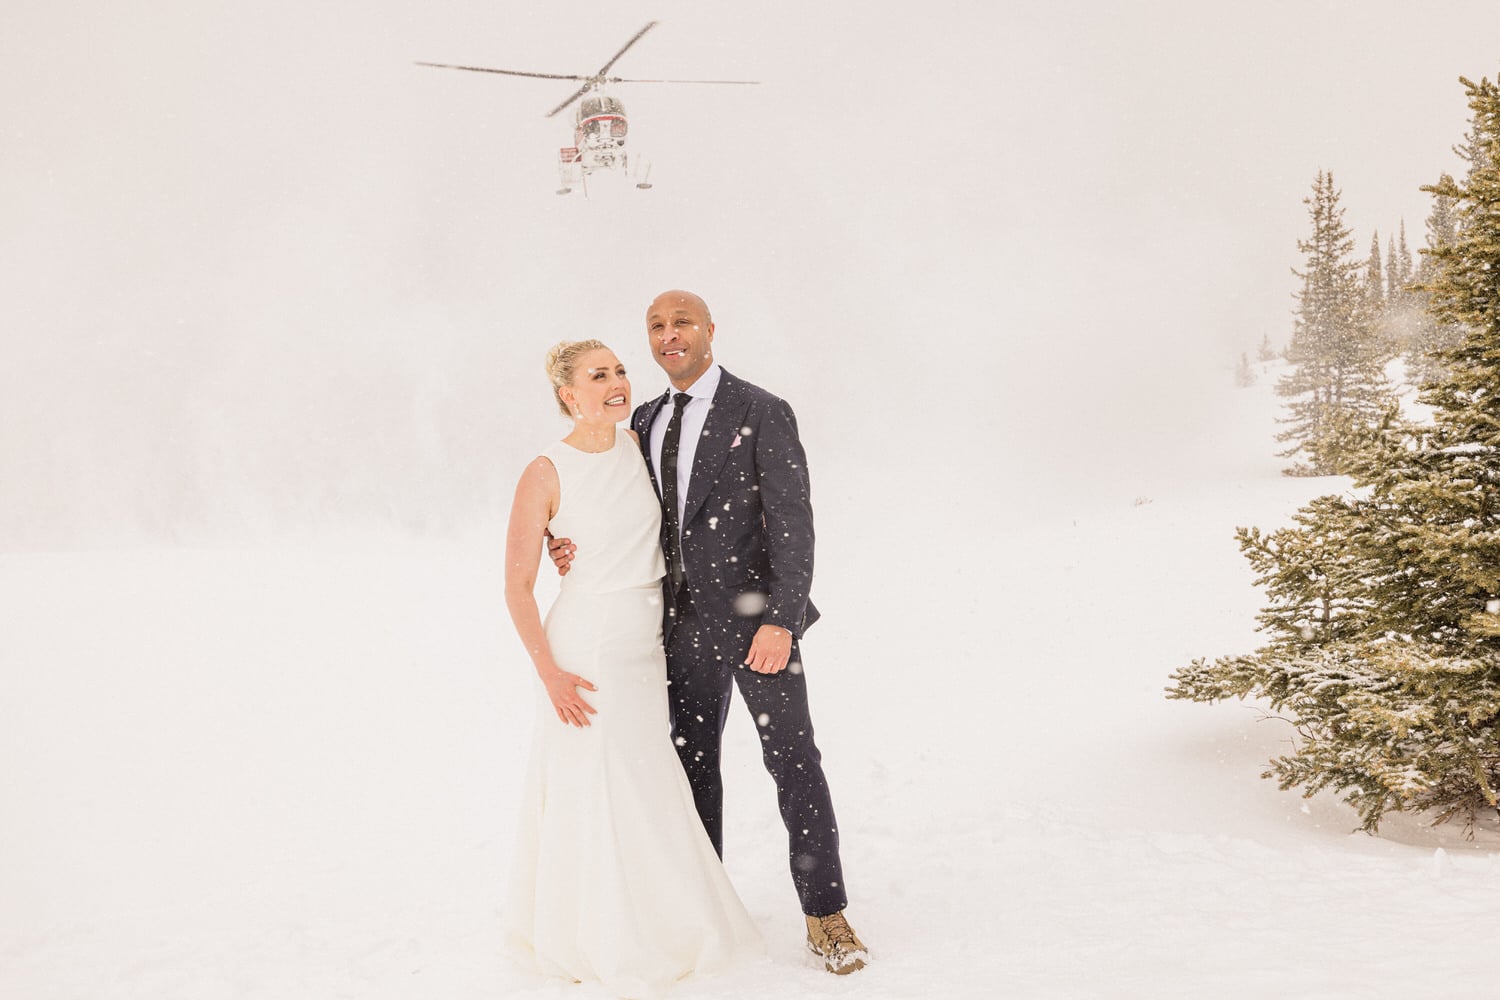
{"points": [[737, 533]]}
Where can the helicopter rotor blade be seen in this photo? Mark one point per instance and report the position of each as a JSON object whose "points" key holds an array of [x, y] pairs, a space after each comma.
{"points": [[633, 39], [507, 72], [618, 79], [576, 95]]}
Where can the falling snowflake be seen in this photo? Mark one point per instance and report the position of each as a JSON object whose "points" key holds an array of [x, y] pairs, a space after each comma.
{"points": [[750, 604]]}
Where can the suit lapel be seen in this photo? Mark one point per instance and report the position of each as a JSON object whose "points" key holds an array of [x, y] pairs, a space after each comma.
{"points": [[643, 430], [725, 418]]}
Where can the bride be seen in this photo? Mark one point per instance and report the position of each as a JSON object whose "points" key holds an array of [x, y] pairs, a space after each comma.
{"points": [[614, 879]]}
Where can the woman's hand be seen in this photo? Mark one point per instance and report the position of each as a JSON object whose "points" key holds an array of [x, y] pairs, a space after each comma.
{"points": [[562, 689]]}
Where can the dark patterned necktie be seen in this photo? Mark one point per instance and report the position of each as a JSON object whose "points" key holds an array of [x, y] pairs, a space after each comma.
{"points": [[669, 446]]}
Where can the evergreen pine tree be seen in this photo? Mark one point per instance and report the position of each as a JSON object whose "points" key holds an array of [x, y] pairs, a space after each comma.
{"points": [[1404, 260], [1442, 225], [1336, 388], [1400, 322], [1266, 352], [1473, 149], [1394, 286], [1384, 614], [1244, 375], [1433, 336], [1374, 284]]}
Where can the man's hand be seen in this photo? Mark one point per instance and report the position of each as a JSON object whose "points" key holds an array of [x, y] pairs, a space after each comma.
{"points": [[561, 550], [769, 650]]}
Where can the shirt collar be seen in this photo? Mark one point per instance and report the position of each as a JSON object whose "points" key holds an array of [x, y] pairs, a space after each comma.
{"points": [[707, 384]]}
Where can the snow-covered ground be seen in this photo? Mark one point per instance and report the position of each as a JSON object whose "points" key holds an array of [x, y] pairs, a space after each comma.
{"points": [[288, 772]]}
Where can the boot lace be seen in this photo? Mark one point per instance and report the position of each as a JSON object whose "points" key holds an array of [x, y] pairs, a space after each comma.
{"points": [[840, 934]]}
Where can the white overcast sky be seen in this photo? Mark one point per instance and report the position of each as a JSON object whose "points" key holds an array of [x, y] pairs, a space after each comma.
{"points": [[963, 204]]}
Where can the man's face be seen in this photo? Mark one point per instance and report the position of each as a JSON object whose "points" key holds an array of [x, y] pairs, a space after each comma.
{"points": [[681, 336]]}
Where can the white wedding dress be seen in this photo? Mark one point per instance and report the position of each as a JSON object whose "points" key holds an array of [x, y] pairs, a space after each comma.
{"points": [[614, 879]]}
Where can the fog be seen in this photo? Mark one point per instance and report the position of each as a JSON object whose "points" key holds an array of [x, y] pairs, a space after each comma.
{"points": [[264, 276]]}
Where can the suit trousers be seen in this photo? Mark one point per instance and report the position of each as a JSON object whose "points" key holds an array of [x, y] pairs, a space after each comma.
{"points": [[705, 660]]}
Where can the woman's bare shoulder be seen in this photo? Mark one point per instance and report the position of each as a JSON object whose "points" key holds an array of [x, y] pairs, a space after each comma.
{"points": [[540, 475]]}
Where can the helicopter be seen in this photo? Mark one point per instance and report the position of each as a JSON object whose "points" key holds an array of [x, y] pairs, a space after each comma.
{"points": [[599, 123]]}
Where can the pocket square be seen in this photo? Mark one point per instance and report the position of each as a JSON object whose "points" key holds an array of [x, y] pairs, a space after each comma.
{"points": [[735, 443]]}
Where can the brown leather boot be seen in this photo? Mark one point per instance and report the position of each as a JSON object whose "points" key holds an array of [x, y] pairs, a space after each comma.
{"points": [[832, 939]]}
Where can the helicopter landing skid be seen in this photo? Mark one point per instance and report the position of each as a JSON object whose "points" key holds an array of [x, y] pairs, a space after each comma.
{"points": [[574, 171]]}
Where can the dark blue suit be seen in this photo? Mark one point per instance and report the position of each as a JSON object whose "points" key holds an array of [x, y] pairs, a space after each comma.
{"points": [[747, 548]]}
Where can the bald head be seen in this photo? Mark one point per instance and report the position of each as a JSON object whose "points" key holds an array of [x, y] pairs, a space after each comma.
{"points": [[681, 335], [679, 297]]}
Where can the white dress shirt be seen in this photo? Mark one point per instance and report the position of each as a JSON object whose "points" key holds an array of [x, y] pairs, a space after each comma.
{"points": [[694, 416]]}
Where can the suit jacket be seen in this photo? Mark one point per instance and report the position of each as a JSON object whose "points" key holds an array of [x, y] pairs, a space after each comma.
{"points": [[747, 527]]}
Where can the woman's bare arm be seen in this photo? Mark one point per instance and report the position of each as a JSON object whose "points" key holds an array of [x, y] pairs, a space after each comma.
{"points": [[535, 502]]}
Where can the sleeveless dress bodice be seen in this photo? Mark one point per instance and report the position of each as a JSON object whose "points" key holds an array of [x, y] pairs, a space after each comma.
{"points": [[610, 511]]}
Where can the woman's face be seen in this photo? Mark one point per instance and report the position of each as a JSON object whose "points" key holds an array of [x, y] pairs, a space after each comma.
{"points": [[599, 392]]}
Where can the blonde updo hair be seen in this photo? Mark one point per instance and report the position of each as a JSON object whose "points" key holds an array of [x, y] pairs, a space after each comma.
{"points": [[562, 365]]}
